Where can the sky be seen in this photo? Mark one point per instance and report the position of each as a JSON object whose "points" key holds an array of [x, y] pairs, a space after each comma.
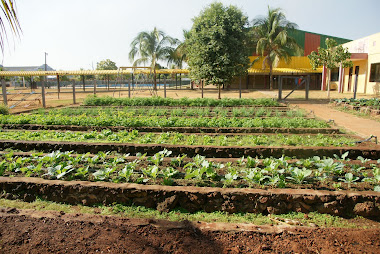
{"points": [[79, 33]]}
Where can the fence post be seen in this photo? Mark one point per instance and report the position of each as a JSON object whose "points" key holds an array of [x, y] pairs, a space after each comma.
{"points": [[279, 88], [84, 83], [165, 87], [58, 85], [43, 91], [94, 86], [4, 88], [180, 81], [74, 101], [240, 88], [202, 84], [307, 87]]}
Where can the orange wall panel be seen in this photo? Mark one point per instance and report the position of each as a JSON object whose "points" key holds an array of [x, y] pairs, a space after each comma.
{"points": [[312, 42]]}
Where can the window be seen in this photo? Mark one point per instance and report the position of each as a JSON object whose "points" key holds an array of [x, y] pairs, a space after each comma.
{"points": [[334, 74], [375, 73]]}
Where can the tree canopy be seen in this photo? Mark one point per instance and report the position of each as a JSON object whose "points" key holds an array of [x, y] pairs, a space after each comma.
{"points": [[272, 40], [151, 47], [331, 57], [8, 15], [216, 47], [106, 65]]}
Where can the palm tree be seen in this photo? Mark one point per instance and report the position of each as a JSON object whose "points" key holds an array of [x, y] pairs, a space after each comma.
{"points": [[272, 40], [151, 47], [179, 55], [8, 16]]}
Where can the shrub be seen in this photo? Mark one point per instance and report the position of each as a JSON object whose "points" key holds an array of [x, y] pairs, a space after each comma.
{"points": [[4, 110]]}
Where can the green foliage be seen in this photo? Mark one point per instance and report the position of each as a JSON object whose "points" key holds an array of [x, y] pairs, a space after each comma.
{"points": [[217, 45], [151, 47], [274, 172], [159, 101], [330, 57], [106, 65], [4, 110]]}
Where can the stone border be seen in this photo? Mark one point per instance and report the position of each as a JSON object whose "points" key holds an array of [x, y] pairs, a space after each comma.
{"points": [[175, 129], [166, 198], [372, 152]]}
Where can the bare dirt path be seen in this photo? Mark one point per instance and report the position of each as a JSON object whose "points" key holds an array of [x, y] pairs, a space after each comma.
{"points": [[54, 232], [363, 127]]}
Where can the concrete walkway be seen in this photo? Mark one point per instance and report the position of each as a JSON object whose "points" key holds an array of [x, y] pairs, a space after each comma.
{"points": [[361, 126]]}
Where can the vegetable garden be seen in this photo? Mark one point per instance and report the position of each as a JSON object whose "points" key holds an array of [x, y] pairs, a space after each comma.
{"points": [[232, 149]]}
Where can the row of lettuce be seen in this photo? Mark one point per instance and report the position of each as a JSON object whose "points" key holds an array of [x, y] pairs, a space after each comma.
{"points": [[177, 138], [284, 172], [175, 111], [94, 100]]}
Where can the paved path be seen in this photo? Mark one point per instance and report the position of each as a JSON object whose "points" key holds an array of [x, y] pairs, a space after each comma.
{"points": [[363, 127]]}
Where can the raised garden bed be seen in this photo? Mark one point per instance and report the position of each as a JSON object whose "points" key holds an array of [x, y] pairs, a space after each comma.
{"points": [[166, 198]]}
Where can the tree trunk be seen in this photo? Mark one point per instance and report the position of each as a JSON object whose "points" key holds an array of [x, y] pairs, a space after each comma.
{"points": [[328, 82], [270, 78], [155, 80], [219, 88]]}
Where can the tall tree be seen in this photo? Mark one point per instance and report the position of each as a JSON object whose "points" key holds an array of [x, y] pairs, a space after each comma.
{"points": [[217, 45], [272, 40], [179, 54], [9, 16], [331, 58], [106, 65], [151, 47]]}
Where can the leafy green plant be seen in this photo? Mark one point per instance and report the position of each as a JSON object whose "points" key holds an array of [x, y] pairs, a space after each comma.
{"points": [[299, 175], [255, 176], [349, 178]]}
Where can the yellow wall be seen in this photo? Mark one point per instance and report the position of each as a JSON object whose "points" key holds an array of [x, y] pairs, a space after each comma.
{"points": [[295, 62], [371, 46]]}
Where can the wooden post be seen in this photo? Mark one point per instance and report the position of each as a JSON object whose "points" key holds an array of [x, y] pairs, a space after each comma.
{"points": [[129, 89], [58, 85], [31, 83], [94, 86], [108, 82], [4, 88], [165, 87], [180, 81], [74, 101], [202, 84], [279, 88], [43, 91], [307, 87], [240, 88], [84, 83]]}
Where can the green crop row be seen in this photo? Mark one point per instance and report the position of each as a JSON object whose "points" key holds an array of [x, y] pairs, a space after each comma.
{"points": [[189, 112], [121, 119], [246, 172], [175, 138], [93, 100], [373, 102]]}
